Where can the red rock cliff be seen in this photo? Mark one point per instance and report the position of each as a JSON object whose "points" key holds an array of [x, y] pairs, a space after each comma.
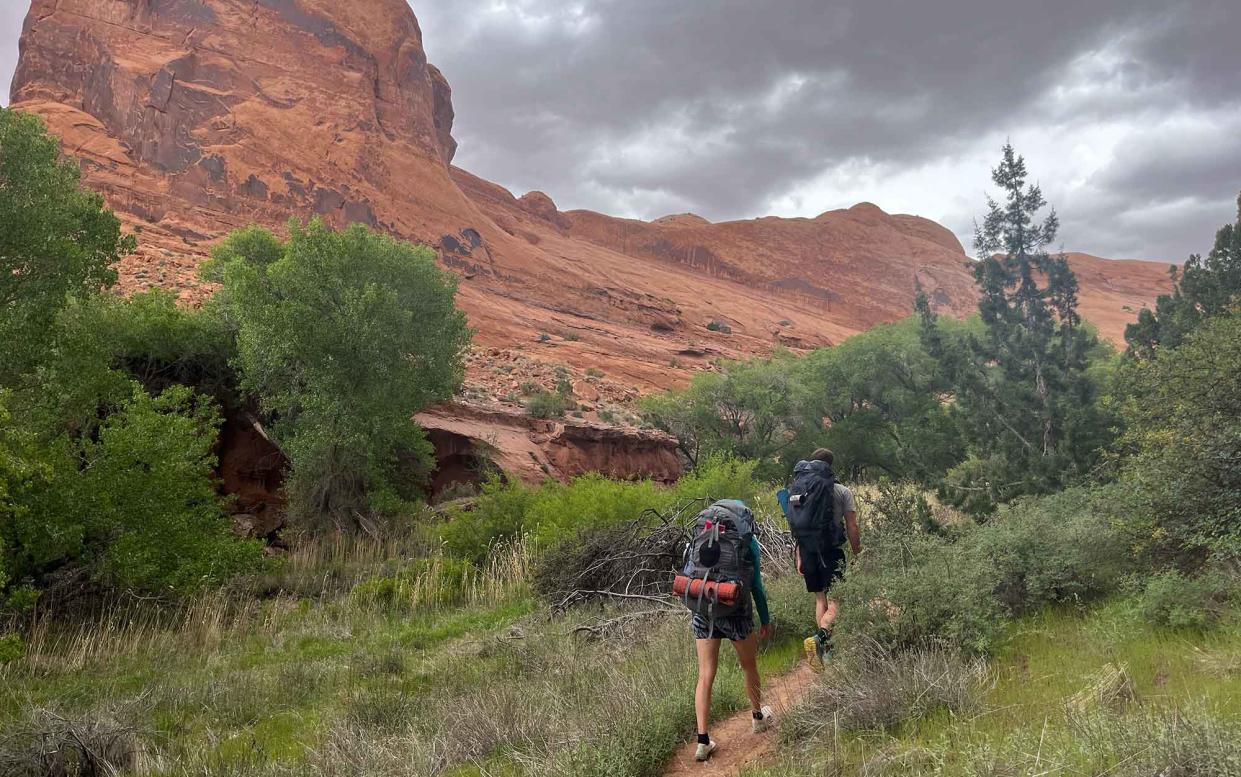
{"points": [[194, 117]]}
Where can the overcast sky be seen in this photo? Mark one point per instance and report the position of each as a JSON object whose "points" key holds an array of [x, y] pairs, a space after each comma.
{"points": [[1127, 111]]}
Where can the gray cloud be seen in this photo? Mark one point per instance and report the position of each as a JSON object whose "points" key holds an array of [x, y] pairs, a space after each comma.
{"points": [[736, 109], [1127, 110]]}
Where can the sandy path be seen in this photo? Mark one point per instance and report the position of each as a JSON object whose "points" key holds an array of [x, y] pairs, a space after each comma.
{"points": [[736, 746]]}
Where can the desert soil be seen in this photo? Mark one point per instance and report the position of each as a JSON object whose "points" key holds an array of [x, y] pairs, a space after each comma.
{"points": [[736, 746]]}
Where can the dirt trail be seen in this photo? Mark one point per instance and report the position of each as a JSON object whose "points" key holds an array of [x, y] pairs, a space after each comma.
{"points": [[736, 746]]}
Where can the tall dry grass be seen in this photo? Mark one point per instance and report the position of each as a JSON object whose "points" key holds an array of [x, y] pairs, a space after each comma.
{"points": [[327, 567]]}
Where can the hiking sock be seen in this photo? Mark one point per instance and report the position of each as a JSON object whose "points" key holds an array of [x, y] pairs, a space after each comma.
{"points": [[757, 714], [703, 739]]}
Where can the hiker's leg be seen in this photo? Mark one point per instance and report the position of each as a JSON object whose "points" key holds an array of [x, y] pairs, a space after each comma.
{"points": [[747, 654], [830, 610], [821, 608], [708, 659]]}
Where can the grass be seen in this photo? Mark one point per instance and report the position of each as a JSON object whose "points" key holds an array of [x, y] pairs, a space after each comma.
{"points": [[450, 671], [1041, 709]]}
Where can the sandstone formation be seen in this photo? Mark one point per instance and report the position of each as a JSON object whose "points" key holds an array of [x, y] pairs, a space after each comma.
{"points": [[195, 117], [470, 438]]}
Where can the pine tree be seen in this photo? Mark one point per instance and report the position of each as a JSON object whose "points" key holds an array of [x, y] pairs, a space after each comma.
{"points": [[1022, 391], [1203, 288]]}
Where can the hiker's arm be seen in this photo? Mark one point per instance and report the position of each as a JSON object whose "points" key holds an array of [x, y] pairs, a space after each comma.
{"points": [[756, 588], [855, 539]]}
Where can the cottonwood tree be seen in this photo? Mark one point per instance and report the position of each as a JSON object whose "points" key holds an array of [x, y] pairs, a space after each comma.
{"points": [[57, 240], [342, 336]]}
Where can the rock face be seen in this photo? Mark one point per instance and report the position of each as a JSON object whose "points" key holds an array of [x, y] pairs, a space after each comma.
{"points": [[470, 438], [196, 117]]}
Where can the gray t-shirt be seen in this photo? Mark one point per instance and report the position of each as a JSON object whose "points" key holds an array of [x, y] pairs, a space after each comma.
{"points": [[842, 502]]}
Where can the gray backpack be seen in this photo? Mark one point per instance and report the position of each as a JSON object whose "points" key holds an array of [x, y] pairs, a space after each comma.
{"points": [[718, 559]]}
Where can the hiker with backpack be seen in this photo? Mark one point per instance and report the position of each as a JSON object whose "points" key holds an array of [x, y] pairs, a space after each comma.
{"points": [[720, 577], [822, 515]]}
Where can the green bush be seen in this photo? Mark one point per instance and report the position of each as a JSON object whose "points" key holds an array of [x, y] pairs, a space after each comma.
{"points": [[916, 586], [559, 511], [12, 648], [1182, 490], [136, 504], [497, 515], [1177, 601], [546, 404], [719, 477]]}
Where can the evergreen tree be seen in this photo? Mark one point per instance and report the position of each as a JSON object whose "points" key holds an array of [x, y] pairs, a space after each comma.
{"points": [[1022, 390], [1204, 288]]}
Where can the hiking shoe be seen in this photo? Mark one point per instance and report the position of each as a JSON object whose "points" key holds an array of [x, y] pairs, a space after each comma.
{"points": [[812, 653], [823, 644], [758, 726], [811, 646], [704, 751]]}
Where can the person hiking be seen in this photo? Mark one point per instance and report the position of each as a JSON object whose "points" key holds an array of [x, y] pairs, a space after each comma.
{"points": [[720, 577], [822, 515]]}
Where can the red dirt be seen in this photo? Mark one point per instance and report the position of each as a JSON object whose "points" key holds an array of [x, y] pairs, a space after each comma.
{"points": [[736, 746]]}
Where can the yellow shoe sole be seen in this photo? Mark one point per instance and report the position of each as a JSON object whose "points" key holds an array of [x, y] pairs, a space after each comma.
{"points": [[812, 655]]}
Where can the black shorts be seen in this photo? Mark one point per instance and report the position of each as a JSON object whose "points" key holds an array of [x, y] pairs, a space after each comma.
{"points": [[823, 568], [736, 628]]}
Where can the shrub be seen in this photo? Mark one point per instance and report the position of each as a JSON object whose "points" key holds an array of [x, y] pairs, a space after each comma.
{"points": [[720, 477], [917, 591], [594, 372], [559, 511], [917, 585], [12, 648], [1182, 490], [137, 504], [498, 515], [878, 688], [719, 326], [1177, 601], [546, 404], [342, 336]]}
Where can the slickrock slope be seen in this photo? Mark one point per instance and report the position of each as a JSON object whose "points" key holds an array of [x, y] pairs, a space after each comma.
{"points": [[195, 117]]}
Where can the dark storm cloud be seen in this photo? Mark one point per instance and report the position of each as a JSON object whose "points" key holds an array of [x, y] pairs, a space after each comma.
{"points": [[1127, 110], [646, 106]]}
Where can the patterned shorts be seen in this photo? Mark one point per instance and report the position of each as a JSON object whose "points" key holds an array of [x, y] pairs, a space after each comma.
{"points": [[731, 627]]}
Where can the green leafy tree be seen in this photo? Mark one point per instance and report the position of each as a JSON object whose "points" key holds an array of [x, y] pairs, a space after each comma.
{"points": [[1203, 288], [342, 336], [744, 411], [1023, 390], [135, 504], [877, 401], [56, 239]]}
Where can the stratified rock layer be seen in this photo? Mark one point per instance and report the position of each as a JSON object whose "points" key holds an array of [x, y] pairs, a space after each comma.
{"points": [[196, 117]]}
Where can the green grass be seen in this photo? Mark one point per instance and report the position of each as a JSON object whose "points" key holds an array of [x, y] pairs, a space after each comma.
{"points": [[1027, 722], [336, 685]]}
